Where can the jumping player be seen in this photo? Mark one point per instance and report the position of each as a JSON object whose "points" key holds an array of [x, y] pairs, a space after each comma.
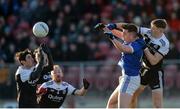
{"points": [[53, 93], [152, 74], [132, 52], [26, 77]]}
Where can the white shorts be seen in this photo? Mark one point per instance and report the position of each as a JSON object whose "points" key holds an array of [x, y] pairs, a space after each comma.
{"points": [[129, 84]]}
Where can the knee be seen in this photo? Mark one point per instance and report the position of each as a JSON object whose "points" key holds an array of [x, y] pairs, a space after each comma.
{"points": [[112, 103]]}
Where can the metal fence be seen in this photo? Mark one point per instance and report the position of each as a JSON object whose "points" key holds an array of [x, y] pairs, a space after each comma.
{"points": [[102, 75]]}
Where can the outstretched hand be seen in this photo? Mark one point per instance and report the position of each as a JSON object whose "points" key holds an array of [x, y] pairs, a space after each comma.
{"points": [[109, 35], [99, 26], [85, 84]]}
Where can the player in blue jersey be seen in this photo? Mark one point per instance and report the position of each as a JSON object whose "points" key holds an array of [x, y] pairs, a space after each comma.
{"points": [[131, 48]]}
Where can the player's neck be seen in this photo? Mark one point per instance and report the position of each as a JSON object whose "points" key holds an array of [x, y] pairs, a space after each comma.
{"points": [[158, 35], [58, 82], [27, 67]]}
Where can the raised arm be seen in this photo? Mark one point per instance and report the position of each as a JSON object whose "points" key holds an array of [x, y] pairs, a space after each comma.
{"points": [[49, 56], [153, 59], [112, 26], [119, 44], [39, 66], [83, 90]]}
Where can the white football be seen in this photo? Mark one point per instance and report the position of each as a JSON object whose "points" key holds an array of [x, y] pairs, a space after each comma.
{"points": [[40, 29]]}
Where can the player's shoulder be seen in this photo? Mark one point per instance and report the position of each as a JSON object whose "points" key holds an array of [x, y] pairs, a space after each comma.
{"points": [[65, 83], [144, 30], [164, 41], [19, 70], [48, 83], [138, 42]]}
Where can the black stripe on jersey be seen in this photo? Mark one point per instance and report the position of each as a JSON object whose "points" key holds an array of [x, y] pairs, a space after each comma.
{"points": [[152, 48], [73, 93], [162, 42], [139, 30]]}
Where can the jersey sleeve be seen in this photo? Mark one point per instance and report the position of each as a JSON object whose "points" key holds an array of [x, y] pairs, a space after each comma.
{"points": [[42, 89], [164, 49], [44, 85], [143, 30], [71, 90], [138, 45]]}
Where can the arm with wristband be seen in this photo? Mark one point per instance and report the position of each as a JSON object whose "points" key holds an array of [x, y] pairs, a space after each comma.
{"points": [[49, 56], [118, 43], [83, 90]]}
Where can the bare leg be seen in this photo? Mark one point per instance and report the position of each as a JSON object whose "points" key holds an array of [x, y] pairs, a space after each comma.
{"points": [[124, 100], [157, 98], [113, 100], [134, 100]]}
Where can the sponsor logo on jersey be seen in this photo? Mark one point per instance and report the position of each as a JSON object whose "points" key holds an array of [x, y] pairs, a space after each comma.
{"points": [[32, 82], [55, 98], [47, 77]]}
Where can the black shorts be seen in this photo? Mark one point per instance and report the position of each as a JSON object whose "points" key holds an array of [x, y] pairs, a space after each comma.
{"points": [[153, 78]]}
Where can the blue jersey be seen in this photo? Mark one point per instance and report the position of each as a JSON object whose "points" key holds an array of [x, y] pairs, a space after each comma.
{"points": [[131, 62]]}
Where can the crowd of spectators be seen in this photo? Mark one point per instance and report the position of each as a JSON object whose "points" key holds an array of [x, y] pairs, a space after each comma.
{"points": [[71, 36]]}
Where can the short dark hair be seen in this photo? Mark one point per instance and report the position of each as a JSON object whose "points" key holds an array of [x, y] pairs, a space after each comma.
{"points": [[22, 55], [130, 27], [160, 23]]}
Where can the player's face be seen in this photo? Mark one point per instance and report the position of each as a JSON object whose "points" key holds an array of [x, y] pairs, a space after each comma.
{"points": [[29, 61], [37, 56], [57, 74], [155, 30], [128, 36]]}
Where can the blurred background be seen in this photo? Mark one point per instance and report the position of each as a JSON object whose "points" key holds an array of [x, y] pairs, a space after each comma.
{"points": [[80, 50]]}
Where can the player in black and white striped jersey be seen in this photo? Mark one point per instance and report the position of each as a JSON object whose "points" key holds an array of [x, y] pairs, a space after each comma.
{"points": [[26, 77], [152, 74], [53, 93]]}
